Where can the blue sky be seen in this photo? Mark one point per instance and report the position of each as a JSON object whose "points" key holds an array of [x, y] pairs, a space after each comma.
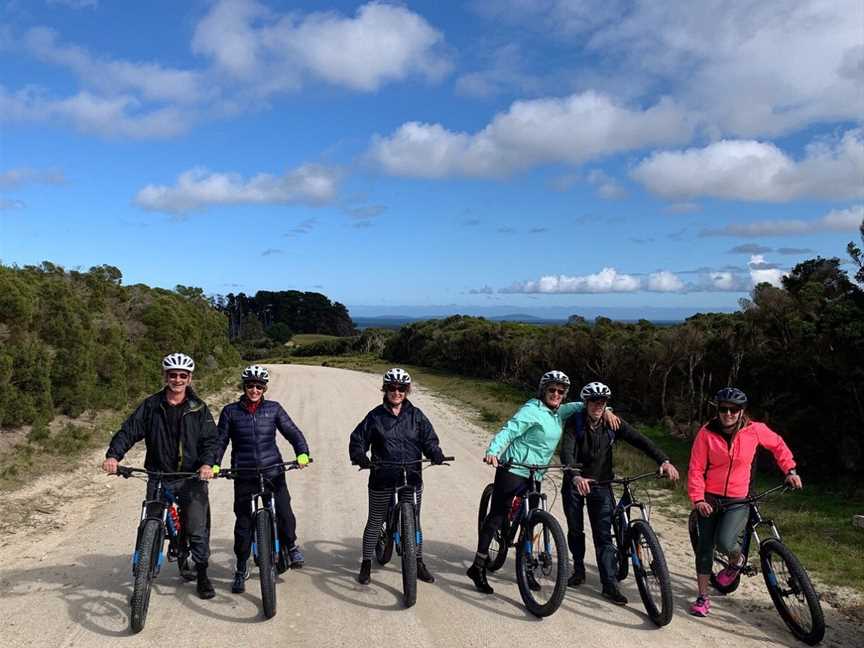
{"points": [[542, 153]]}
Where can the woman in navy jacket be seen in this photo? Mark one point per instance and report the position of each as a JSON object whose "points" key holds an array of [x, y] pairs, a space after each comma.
{"points": [[250, 426]]}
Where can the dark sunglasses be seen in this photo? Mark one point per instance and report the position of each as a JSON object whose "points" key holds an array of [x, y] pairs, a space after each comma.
{"points": [[728, 410], [182, 375], [399, 388], [257, 386], [598, 400], [555, 390]]}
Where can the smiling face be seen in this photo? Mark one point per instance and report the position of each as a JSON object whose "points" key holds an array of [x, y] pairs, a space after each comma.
{"points": [[395, 393], [177, 380], [254, 391], [595, 408], [729, 414], [553, 394]]}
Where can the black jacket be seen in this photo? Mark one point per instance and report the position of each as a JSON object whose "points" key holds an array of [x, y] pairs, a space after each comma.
{"points": [[253, 436], [197, 443], [593, 449], [406, 437]]}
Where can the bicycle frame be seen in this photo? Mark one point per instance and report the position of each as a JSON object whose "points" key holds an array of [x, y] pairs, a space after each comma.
{"points": [[750, 533]]}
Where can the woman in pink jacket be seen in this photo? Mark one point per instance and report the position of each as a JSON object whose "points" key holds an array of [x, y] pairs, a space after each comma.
{"points": [[721, 461]]}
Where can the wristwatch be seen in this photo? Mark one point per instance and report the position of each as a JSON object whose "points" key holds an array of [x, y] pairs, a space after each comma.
{"points": [[792, 472]]}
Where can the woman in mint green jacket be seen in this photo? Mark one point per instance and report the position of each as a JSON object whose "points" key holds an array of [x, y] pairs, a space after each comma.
{"points": [[531, 437]]}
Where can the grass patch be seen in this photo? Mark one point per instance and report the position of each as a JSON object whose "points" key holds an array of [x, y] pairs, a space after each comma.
{"points": [[303, 339]]}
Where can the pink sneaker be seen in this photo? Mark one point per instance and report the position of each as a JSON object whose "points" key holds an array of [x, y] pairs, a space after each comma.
{"points": [[701, 606], [725, 577]]}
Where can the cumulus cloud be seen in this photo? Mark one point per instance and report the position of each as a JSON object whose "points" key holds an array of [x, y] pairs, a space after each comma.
{"points": [[664, 281], [198, 188], [7, 204], [608, 280], [379, 44], [541, 131], [749, 248], [607, 186], [837, 220], [762, 272], [16, 178], [750, 170]]}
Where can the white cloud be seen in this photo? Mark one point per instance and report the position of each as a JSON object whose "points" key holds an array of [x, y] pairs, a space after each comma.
{"points": [[608, 280], [381, 43], [664, 281], [198, 188], [540, 131], [837, 220], [759, 274], [758, 171], [607, 186], [16, 178]]}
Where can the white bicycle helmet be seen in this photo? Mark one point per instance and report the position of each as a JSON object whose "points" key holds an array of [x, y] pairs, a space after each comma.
{"points": [[255, 373], [397, 376], [178, 361], [551, 377], [595, 391]]}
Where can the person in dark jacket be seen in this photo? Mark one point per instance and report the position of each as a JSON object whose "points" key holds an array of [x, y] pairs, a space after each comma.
{"points": [[588, 441], [180, 436], [250, 426], [396, 431]]}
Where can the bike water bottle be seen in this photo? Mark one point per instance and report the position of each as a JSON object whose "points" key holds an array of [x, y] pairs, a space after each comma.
{"points": [[515, 508]]}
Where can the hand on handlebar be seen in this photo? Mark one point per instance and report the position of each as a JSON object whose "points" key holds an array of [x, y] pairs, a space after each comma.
{"points": [[110, 466], [582, 484], [704, 508], [205, 473], [794, 481], [491, 460], [669, 471]]}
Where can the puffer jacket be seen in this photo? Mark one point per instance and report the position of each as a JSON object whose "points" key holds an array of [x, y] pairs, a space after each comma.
{"points": [[406, 437], [198, 441], [722, 468], [253, 436]]}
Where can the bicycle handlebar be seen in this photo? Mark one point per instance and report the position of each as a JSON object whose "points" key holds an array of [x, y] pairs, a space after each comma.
{"points": [[228, 473], [535, 467], [401, 464], [624, 481], [752, 499], [127, 471]]}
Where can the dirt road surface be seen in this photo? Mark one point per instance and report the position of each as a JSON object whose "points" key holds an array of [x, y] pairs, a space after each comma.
{"points": [[65, 576]]}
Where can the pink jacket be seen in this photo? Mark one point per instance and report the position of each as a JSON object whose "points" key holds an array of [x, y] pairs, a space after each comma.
{"points": [[717, 468]]}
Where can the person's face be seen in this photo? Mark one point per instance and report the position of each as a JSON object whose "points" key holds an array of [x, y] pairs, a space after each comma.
{"points": [[553, 394], [177, 380], [596, 407], [395, 393], [729, 414], [254, 390]]}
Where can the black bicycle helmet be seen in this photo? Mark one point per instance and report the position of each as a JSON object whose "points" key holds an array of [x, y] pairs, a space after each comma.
{"points": [[731, 395]]}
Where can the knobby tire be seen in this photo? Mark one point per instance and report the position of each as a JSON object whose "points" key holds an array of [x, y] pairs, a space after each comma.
{"points": [[408, 539], [266, 568], [534, 562], [651, 573], [148, 557]]}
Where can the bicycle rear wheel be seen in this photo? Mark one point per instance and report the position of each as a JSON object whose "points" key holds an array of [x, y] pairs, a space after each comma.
{"points": [[498, 546], [541, 564], [792, 592], [384, 545], [693, 529], [266, 566], [408, 540], [651, 572], [147, 558], [619, 528]]}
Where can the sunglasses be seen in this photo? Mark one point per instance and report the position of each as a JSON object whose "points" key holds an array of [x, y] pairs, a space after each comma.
{"points": [[556, 390], [181, 375], [257, 386], [728, 410], [399, 388], [601, 401]]}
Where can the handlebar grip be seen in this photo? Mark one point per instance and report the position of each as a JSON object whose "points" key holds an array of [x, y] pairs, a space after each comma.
{"points": [[124, 471], [449, 459]]}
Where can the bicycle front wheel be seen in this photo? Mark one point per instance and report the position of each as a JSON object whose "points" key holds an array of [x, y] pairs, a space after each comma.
{"points": [[792, 592], [408, 540], [651, 572], [541, 564], [498, 546], [147, 558], [384, 545], [266, 564]]}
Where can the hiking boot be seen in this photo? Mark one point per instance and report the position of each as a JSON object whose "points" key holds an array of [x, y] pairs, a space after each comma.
{"points": [[423, 573], [612, 593], [577, 578], [478, 574], [701, 606], [238, 585], [204, 586], [365, 571], [296, 557]]}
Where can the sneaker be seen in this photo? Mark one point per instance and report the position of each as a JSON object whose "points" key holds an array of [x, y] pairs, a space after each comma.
{"points": [[296, 557], [478, 575], [533, 585], [612, 593], [365, 572], [423, 573], [701, 606], [238, 585], [725, 577], [577, 578], [204, 586]]}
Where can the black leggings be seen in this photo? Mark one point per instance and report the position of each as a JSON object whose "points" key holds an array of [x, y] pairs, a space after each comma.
{"points": [[286, 522], [507, 486]]}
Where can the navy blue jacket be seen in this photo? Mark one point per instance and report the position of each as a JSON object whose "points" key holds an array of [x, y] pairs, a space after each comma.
{"points": [[253, 436], [406, 437]]}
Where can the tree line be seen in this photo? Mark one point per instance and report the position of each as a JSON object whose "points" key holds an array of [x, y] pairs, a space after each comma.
{"points": [[72, 341]]}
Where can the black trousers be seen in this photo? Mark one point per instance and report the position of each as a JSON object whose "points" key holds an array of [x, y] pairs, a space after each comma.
{"points": [[286, 523], [600, 503], [193, 500], [507, 486]]}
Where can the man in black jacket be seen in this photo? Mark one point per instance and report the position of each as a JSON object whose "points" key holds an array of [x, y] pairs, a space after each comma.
{"points": [[180, 436], [588, 441]]}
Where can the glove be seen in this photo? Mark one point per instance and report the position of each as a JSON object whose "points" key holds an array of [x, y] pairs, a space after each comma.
{"points": [[363, 461], [438, 459], [303, 459]]}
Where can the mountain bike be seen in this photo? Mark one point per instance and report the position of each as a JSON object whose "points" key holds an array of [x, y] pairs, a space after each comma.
{"points": [[637, 544], [270, 555], [400, 529], [541, 547], [787, 581], [160, 520]]}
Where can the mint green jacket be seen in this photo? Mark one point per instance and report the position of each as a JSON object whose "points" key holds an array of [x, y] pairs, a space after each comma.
{"points": [[531, 435]]}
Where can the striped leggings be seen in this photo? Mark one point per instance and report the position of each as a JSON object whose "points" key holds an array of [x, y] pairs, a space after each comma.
{"points": [[379, 501]]}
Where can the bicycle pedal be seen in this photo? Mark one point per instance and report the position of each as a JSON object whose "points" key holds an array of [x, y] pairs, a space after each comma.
{"points": [[749, 571]]}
